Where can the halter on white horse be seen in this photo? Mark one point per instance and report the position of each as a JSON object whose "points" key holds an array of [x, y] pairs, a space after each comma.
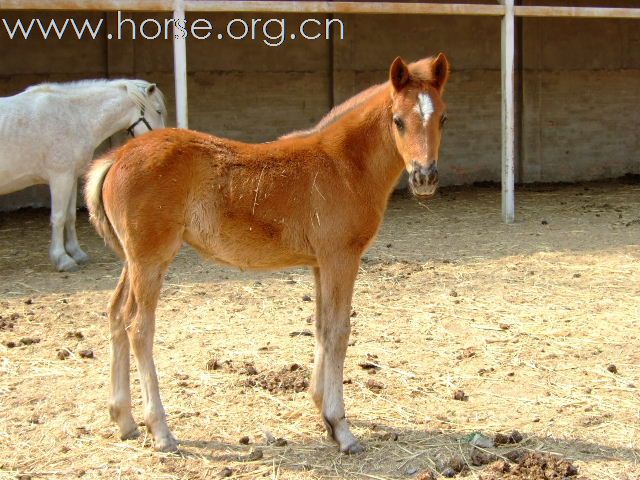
{"points": [[137, 91]]}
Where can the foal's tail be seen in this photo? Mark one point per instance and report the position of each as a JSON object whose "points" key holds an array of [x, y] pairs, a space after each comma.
{"points": [[94, 180]]}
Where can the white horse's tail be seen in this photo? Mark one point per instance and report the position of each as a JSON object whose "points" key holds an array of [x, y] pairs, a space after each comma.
{"points": [[94, 180]]}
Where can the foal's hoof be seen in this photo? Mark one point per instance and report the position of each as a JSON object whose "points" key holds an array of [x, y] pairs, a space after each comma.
{"points": [[352, 448], [131, 435], [166, 445]]}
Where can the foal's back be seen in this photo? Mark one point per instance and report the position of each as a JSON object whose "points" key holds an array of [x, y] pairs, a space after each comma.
{"points": [[248, 205]]}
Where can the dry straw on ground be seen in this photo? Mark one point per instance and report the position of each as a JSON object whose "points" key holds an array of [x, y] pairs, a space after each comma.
{"points": [[525, 320]]}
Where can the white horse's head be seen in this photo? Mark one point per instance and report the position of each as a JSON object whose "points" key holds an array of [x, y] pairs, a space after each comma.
{"points": [[149, 111]]}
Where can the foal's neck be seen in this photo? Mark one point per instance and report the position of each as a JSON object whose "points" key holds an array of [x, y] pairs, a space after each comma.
{"points": [[364, 139]]}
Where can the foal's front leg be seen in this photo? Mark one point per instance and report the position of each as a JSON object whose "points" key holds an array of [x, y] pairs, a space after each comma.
{"points": [[337, 277]]}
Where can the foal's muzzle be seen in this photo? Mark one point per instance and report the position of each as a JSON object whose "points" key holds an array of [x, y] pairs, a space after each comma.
{"points": [[423, 180]]}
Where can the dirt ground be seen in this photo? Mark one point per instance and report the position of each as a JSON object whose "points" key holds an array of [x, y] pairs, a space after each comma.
{"points": [[533, 327]]}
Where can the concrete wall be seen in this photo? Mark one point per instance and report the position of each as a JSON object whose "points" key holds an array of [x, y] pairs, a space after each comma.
{"points": [[581, 85], [581, 99]]}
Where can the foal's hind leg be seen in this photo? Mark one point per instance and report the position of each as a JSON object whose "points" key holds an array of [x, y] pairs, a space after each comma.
{"points": [[71, 243], [145, 284], [120, 402], [337, 278]]}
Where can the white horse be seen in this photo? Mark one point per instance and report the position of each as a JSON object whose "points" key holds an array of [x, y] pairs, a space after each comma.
{"points": [[48, 134]]}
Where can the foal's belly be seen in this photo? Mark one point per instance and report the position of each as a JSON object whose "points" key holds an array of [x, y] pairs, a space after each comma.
{"points": [[253, 248], [254, 258]]}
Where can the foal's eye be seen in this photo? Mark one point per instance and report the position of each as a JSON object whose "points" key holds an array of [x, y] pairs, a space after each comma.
{"points": [[443, 120], [399, 123], [159, 112]]}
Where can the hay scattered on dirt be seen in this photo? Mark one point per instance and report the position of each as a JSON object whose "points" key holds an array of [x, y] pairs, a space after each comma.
{"points": [[526, 320]]}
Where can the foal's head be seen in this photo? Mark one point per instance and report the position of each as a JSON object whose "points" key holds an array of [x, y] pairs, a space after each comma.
{"points": [[419, 115]]}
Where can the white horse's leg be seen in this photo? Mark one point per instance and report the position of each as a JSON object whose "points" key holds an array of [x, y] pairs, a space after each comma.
{"points": [[71, 245], [333, 329], [61, 187]]}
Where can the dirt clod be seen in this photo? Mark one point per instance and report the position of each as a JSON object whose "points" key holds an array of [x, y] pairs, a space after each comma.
{"points": [[389, 437], [460, 395], [9, 344], [245, 440], [250, 369], [467, 353], [213, 364], [278, 381], [306, 298], [280, 442], [225, 472], [502, 439], [86, 354], [375, 386], [515, 455], [481, 457], [365, 365], [6, 324], [63, 354], [612, 368], [29, 341], [450, 465], [448, 473], [77, 335], [532, 466], [254, 454], [426, 475]]}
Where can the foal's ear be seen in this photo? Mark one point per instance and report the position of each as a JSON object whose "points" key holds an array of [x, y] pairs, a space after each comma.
{"points": [[440, 71], [399, 74], [150, 89]]}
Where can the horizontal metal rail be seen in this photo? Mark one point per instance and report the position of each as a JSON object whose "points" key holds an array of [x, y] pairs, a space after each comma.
{"points": [[577, 12], [321, 7]]}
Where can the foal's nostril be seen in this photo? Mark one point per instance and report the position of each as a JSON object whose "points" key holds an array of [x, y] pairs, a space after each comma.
{"points": [[418, 178], [432, 179], [431, 174]]}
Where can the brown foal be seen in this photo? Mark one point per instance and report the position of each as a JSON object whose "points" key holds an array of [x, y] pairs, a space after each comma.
{"points": [[313, 198]]}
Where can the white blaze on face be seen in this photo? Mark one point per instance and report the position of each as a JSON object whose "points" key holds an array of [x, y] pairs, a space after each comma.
{"points": [[424, 107]]}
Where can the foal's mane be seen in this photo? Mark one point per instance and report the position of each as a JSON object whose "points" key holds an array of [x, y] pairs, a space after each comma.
{"points": [[420, 70], [339, 111], [136, 89]]}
